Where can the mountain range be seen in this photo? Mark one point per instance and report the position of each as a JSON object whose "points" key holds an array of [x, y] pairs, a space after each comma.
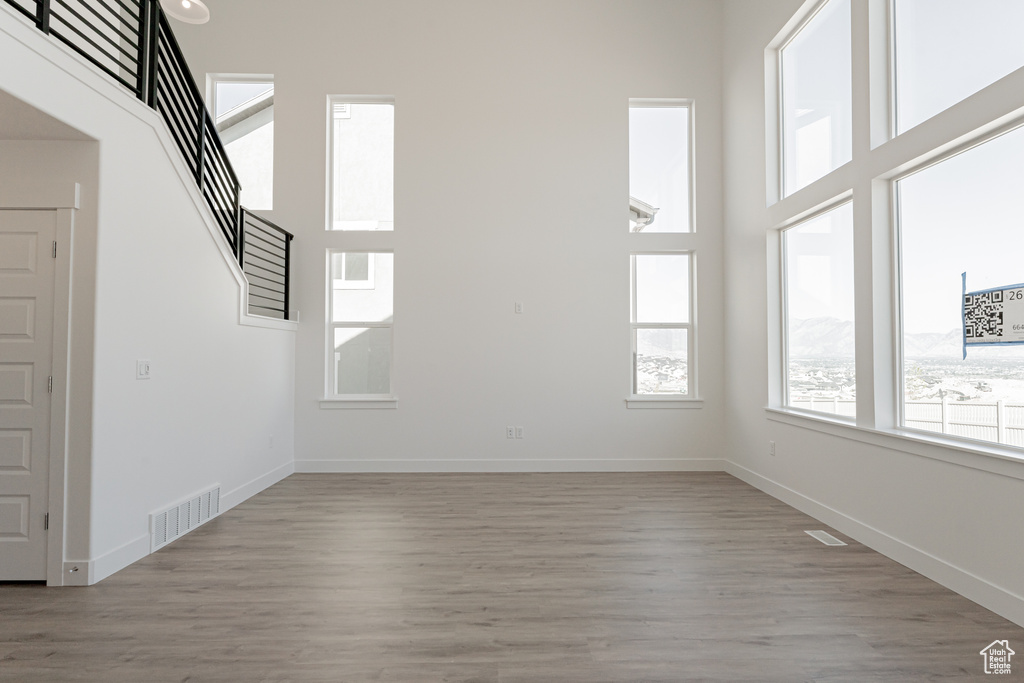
{"points": [[833, 338]]}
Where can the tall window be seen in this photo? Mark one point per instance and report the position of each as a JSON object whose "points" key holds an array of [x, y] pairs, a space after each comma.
{"points": [[661, 280], [243, 108], [361, 317], [936, 257], [817, 97], [963, 215], [932, 74], [818, 304], [661, 324], [659, 166], [362, 164]]}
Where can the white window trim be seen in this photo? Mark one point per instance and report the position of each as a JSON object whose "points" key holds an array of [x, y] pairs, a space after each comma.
{"points": [[669, 243], [331, 400], [775, 176], [784, 155], [937, 157], [783, 291], [690, 399], [332, 100], [645, 402], [242, 129], [677, 103], [994, 110], [359, 402]]}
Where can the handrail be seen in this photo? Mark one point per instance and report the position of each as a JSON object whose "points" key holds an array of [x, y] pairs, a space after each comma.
{"points": [[131, 41]]}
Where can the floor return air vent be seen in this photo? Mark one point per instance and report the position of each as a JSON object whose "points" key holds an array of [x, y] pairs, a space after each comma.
{"points": [[176, 521], [825, 537]]}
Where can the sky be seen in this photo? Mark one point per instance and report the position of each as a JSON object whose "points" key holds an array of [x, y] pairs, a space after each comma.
{"points": [[931, 75], [231, 94], [659, 164], [817, 97], [819, 266], [965, 214]]}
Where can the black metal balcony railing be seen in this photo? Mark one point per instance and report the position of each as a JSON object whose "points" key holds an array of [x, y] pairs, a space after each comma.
{"points": [[131, 41], [264, 255]]}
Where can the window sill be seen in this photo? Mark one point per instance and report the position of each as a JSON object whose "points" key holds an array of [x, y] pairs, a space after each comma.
{"points": [[664, 402], [973, 454], [359, 403]]}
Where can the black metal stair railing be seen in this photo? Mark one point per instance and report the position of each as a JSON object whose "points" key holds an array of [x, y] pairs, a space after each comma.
{"points": [[131, 41], [265, 257]]}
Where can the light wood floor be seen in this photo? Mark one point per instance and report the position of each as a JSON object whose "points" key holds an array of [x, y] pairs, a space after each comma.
{"points": [[535, 577]]}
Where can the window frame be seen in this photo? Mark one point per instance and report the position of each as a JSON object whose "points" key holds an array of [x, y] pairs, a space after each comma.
{"points": [[777, 171], [212, 81], [936, 158], [786, 403], [667, 243], [333, 100], [330, 376], [674, 103], [689, 326], [880, 158]]}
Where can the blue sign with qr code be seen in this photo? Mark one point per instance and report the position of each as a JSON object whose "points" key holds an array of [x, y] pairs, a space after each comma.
{"points": [[993, 317]]}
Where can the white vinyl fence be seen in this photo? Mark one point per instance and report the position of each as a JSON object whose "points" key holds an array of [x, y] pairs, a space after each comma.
{"points": [[835, 406], [999, 422]]}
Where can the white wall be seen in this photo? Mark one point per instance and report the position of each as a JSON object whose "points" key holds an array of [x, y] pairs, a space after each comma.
{"points": [[165, 292], [941, 511], [511, 185]]}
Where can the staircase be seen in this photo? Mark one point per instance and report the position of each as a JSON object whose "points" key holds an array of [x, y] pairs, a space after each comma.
{"points": [[132, 43]]}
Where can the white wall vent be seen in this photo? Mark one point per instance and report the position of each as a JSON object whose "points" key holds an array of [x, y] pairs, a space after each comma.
{"points": [[176, 521], [825, 537]]}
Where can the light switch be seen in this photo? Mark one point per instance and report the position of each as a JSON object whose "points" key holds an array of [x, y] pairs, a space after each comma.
{"points": [[142, 369]]}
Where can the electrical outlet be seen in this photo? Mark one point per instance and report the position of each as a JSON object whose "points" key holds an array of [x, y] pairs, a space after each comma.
{"points": [[519, 307], [519, 432], [510, 432], [771, 448]]}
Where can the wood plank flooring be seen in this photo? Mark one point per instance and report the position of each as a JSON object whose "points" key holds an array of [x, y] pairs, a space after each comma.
{"points": [[503, 578]]}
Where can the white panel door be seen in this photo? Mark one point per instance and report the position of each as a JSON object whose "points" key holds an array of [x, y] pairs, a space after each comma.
{"points": [[26, 356]]}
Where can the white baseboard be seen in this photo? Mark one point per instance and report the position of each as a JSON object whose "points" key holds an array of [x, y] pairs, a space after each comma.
{"points": [[974, 588], [248, 490], [88, 572], [486, 466], [76, 573]]}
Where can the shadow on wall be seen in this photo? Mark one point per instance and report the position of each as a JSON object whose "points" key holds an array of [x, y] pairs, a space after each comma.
{"points": [[362, 359]]}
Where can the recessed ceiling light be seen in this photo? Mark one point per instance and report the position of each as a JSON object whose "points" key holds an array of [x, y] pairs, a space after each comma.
{"points": [[188, 11]]}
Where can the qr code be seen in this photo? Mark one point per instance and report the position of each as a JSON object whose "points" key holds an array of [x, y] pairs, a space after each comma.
{"points": [[983, 315]]}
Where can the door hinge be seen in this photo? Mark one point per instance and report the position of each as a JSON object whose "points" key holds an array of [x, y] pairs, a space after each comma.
{"points": [[49, 385], [54, 250], [46, 521]]}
